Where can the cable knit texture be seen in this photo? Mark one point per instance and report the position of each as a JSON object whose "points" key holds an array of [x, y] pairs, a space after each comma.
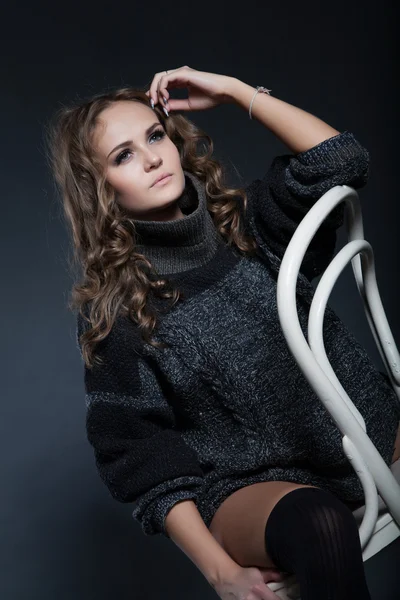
{"points": [[226, 405]]}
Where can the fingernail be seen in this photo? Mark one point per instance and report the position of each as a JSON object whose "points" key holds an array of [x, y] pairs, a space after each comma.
{"points": [[152, 103], [165, 100], [166, 112]]}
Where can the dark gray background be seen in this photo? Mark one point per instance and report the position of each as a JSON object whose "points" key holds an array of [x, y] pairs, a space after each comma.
{"points": [[62, 535]]}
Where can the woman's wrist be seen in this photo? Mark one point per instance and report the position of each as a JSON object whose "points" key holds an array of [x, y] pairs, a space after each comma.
{"points": [[212, 560], [223, 574], [187, 530], [240, 93], [229, 88]]}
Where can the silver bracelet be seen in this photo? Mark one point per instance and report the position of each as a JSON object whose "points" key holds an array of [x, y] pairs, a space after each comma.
{"points": [[259, 88]]}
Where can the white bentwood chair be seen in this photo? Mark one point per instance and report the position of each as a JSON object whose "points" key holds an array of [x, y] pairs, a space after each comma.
{"points": [[379, 518]]}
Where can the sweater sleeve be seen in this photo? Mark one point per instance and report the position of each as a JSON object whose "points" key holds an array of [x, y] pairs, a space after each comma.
{"points": [[139, 453], [281, 198]]}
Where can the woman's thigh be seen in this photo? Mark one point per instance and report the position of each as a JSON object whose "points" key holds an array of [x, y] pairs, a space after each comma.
{"points": [[239, 523]]}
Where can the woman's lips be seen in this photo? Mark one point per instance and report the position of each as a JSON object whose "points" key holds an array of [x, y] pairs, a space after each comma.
{"points": [[163, 181]]}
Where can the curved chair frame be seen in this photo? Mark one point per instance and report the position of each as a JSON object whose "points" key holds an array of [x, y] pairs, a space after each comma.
{"points": [[379, 525]]}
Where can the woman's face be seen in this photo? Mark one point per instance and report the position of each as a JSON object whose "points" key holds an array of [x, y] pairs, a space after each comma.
{"points": [[134, 156]]}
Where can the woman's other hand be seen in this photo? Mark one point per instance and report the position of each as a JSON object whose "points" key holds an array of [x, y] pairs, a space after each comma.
{"points": [[248, 583]]}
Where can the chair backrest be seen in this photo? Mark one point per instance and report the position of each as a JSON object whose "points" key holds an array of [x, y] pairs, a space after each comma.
{"points": [[311, 356]]}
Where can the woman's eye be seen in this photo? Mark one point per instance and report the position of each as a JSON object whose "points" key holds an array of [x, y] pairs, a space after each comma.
{"points": [[160, 133], [119, 158]]}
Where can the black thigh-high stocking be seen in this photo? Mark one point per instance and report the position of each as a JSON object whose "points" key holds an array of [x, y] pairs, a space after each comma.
{"points": [[313, 534]]}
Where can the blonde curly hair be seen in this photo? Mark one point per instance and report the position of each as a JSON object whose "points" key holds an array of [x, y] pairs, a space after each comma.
{"points": [[115, 276]]}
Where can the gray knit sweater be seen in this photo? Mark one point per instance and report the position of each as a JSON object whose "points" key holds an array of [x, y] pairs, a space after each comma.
{"points": [[225, 405]]}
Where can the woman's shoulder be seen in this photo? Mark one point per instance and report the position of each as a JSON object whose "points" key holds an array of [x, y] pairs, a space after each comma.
{"points": [[124, 332]]}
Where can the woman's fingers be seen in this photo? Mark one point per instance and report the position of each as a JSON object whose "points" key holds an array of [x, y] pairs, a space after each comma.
{"points": [[163, 94], [158, 88], [156, 91], [264, 593]]}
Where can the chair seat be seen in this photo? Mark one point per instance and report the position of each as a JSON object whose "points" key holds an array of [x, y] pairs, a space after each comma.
{"points": [[382, 508]]}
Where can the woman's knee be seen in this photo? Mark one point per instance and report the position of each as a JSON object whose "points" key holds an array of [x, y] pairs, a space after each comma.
{"points": [[239, 523], [308, 518]]}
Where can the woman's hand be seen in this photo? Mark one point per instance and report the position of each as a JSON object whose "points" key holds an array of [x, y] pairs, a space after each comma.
{"points": [[248, 583], [205, 90]]}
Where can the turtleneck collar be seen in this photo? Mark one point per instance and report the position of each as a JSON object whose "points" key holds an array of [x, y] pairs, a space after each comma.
{"points": [[182, 244]]}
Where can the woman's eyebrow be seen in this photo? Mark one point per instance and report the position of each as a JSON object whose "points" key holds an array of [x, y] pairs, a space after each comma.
{"points": [[147, 132]]}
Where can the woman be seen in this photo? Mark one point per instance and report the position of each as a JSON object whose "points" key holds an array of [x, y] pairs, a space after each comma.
{"points": [[197, 413]]}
